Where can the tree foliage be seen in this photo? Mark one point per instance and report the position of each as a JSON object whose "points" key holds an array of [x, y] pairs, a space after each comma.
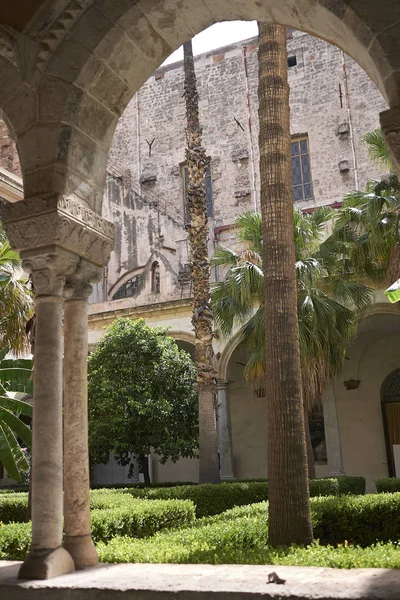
{"points": [[142, 395], [16, 303], [15, 388], [329, 298]]}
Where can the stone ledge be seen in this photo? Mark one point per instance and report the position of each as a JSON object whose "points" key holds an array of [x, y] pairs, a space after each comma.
{"points": [[201, 582]]}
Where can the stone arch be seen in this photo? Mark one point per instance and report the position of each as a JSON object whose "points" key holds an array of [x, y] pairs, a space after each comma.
{"points": [[226, 354], [360, 346], [82, 61], [182, 336]]}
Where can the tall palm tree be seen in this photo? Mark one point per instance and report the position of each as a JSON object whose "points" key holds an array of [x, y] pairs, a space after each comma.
{"points": [[197, 163], [15, 389], [329, 302], [288, 493], [16, 303]]}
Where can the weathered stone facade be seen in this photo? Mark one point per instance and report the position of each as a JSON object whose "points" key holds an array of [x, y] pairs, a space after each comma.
{"points": [[333, 104]]}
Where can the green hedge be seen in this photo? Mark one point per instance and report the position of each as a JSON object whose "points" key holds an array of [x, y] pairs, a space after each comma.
{"points": [[361, 520], [137, 518], [13, 508], [239, 536], [140, 518], [388, 485], [208, 499]]}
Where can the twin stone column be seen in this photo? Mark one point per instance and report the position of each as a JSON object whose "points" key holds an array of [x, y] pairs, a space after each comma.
{"points": [[63, 245]]}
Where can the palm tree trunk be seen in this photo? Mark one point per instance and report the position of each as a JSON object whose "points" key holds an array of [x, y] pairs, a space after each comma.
{"points": [[197, 163], [310, 452], [289, 506]]}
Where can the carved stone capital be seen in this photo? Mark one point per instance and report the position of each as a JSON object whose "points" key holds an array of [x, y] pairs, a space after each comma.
{"points": [[49, 269], [390, 124], [78, 284], [62, 222]]}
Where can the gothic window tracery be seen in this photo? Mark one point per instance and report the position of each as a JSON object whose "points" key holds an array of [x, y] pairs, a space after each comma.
{"points": [[129, 289]]}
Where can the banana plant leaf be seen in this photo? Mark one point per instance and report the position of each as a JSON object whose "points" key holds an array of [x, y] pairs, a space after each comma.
{"points": [[11, 454]]}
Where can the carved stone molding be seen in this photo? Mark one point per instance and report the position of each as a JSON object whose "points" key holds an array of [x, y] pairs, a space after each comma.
{"points": [[49, 269], [78, 284], [390, 124], [59, 221], [7, 46]]}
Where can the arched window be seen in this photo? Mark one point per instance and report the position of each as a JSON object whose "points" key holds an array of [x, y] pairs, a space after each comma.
{"points": [[129, 289], [155, 278], [391, 419]]}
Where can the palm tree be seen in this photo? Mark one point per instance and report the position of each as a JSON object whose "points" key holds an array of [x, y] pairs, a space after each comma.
{"points": [[197, 163], [15, 390], [368, 224], [289, 505], [15, 300], [329, 302]]}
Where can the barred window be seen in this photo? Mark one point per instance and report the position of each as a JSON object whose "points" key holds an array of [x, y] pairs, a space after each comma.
{"points": [[301, 172], [129, 289]]}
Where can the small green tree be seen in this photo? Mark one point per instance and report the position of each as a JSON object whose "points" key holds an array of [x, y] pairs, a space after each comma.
{"points": [[142, 396]]}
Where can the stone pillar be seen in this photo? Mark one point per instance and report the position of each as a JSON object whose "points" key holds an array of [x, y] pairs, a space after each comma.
{"points": [[47, 558], [390, 124], [332, 432], [78, 539], [53, 235], [224, 431]]}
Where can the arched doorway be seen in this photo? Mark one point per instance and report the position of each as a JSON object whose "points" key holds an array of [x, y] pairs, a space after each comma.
{"points": [[390, 394]]}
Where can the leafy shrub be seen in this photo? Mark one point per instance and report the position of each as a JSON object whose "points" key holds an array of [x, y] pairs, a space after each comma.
{"points": [[140, 518], [388, 485], [209, 499], [141, 485], [13, 508], [15, 541], [324, 487], [349, 484], [361, 520]]}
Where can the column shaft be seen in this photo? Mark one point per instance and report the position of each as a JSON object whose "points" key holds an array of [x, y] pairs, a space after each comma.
{"points": [[78, 539], [332, 432], [47, 558], [224, 431]]}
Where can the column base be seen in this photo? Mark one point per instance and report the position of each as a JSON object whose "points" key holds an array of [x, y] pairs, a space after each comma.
{"points": [[82, 550], [46, 565], [228, 478]]}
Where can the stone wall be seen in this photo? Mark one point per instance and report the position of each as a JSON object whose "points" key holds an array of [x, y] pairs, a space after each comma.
{"points": [[8, 152]]}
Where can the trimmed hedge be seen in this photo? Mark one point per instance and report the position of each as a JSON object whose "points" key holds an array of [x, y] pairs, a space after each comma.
{"points": [[239, 536], [137, 518], [140, 518], [209, 499], [361, 520], [388, 485], [13, 508]]}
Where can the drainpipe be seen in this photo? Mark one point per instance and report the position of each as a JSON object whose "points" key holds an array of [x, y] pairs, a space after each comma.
{"points": [[253, 172], [346, 91], [139, 166]]}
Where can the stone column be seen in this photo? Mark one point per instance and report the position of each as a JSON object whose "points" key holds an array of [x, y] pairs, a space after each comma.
{"points": [[78, 539], [332, 432], [53, 235], [47, 558], [224, 431]]}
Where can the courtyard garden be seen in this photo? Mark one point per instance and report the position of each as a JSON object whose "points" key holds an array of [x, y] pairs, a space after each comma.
{"points": [[227, 523]]}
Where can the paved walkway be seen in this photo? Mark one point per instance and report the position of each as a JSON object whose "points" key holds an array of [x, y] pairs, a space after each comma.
{"points": [[201, 582]]}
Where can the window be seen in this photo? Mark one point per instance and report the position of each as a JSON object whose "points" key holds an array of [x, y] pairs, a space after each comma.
{"points": [[155, 278], [301, 173], [292, 61], [185, 176], [129, 289]]}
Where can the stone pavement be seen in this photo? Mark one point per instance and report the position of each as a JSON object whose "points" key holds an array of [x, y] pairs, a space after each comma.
{"points": [[200, 582]]}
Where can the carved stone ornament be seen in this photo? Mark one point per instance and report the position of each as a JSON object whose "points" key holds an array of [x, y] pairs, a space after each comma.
{"points": [[59, 221], [78, 284], [49, 269], [390, 124]]}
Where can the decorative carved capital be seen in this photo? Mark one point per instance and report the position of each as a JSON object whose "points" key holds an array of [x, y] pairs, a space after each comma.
{"points": [[59, 221], [78, 284], [49, 269], [390, 124], [222, 384]]}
